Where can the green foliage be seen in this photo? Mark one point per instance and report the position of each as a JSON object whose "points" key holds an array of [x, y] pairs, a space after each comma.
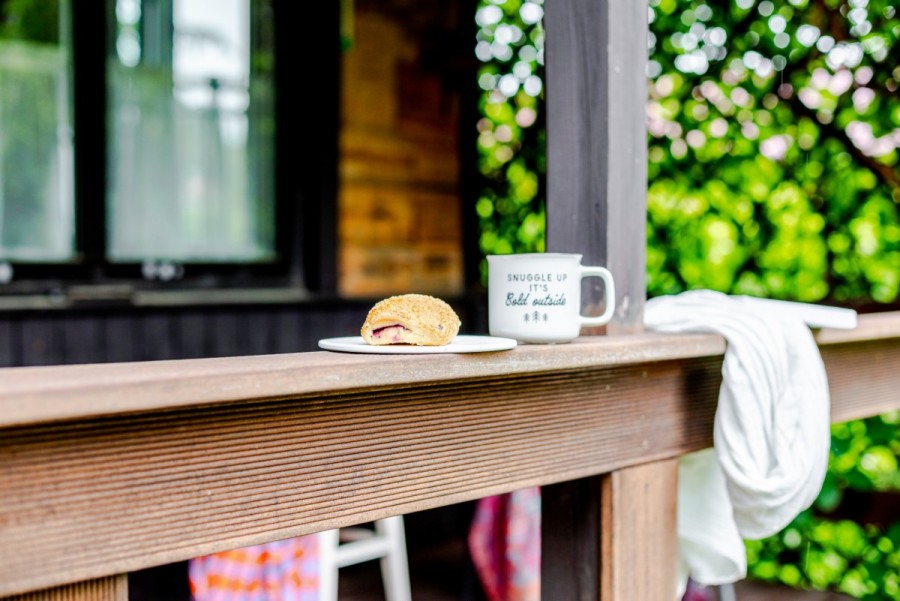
{"points": [[510, 44], [774, 128], [861, 560], [773, 161], [34, 20], [857, 560], [864, 456], [773, 172], [773, 149]]}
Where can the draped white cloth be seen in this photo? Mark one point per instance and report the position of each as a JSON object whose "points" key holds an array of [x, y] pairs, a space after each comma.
{"points": [[771, 434]]}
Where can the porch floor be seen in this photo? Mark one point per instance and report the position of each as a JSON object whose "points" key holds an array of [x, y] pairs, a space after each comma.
{"points": [[436, 576], [363, 583], [439, 573]]}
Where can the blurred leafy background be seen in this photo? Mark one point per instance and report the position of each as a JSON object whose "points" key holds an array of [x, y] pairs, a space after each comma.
{"points": [[773, 136]]}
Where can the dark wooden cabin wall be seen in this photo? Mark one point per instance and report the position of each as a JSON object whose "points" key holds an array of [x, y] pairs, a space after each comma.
{"points": [[30, 338]]}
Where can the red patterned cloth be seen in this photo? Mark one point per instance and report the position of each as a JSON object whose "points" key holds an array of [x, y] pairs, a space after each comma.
{"points": [[286, 570], [505, 543]]}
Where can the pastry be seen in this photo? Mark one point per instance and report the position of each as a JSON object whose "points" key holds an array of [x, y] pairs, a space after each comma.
{"points": [[411, 319]]}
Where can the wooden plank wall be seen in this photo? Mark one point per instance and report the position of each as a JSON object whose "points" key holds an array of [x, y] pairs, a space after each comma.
{"points": [[147, 334], [399, 204]]}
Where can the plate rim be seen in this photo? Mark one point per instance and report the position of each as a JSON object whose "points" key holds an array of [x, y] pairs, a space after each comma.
{"points": [[356, 344]]}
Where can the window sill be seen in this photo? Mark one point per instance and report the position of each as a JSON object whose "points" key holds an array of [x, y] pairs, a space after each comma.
{"points": [[125, 295]]}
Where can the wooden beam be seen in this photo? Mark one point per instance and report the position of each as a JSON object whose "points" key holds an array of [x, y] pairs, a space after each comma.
{"points": [[112, 588], [863, 378], [34, 395], [597, 143], [596, 205], [84, 498], [167, 471], [639, 541], [570, 560]]}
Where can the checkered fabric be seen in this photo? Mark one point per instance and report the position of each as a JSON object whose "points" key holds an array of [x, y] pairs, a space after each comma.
{"points": [[286, 570]]}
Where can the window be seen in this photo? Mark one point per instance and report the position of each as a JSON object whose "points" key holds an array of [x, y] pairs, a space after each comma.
{"points": [[37, 210], [159, 150], [190, 132]]}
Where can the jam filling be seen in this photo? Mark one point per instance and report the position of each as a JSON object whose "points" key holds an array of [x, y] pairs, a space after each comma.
{"points": [[392, 333]]}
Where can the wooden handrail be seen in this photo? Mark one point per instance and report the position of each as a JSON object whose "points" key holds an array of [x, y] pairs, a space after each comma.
{"points": [[41, 394], [35, 395], [108, 469]]}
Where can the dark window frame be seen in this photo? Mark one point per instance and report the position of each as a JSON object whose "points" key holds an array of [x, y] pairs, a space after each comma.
{"points": [[307, 117]]}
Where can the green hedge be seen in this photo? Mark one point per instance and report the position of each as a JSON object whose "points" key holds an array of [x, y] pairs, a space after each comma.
{"points": [[773, 171]]}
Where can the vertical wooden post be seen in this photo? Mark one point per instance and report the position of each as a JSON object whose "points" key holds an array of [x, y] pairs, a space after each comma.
{"points": [[597, 143], [113, 588], [639, 550], [570, 550], [596, 205]]}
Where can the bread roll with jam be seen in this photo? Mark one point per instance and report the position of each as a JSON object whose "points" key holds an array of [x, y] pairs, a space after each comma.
{"points": [[411, 319]]}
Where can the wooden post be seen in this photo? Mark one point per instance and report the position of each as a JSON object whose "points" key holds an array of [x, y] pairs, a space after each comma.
{"points": [[570, 551], [639, 548], [597, 143], [596, 206], [113, 588]]}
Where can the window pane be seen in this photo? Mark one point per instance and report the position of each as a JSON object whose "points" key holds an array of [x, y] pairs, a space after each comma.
{"points": [[36, 160], [191, 134]]}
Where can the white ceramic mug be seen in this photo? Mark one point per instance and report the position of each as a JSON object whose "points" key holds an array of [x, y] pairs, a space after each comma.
{"points": [[537, 297]]}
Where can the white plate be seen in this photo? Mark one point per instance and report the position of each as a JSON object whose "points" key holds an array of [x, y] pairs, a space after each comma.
{"points": [[462, 344]]}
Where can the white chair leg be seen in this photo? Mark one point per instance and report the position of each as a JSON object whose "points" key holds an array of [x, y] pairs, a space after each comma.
{"points": [[387, 542], [726, 593], [328, 568], [394, 566]]}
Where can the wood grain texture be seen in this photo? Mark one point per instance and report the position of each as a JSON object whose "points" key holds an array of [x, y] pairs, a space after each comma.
{"points": [[638, 533], [108, 469], [32, 395], [871, 326], [86, 498], [113, 588], [596, 165], [863, 377]]}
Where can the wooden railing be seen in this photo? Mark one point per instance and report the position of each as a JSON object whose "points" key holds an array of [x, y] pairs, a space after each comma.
{"points": [[106, 469]]}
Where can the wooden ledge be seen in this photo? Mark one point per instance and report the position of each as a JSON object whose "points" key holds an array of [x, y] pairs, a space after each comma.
{"points": [[113, 468], [35, 395], [45, 394], [871, 327]]}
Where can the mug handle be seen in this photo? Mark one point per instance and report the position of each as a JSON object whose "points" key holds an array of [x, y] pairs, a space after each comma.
{"points": [[610, 289]]}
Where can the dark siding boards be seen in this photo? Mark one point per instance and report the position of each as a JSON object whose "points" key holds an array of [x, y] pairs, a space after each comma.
{"points": [[33, 338], [81, 336]]}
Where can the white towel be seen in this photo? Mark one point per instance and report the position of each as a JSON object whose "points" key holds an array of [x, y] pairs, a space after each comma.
{"points": [[771, 435]]}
